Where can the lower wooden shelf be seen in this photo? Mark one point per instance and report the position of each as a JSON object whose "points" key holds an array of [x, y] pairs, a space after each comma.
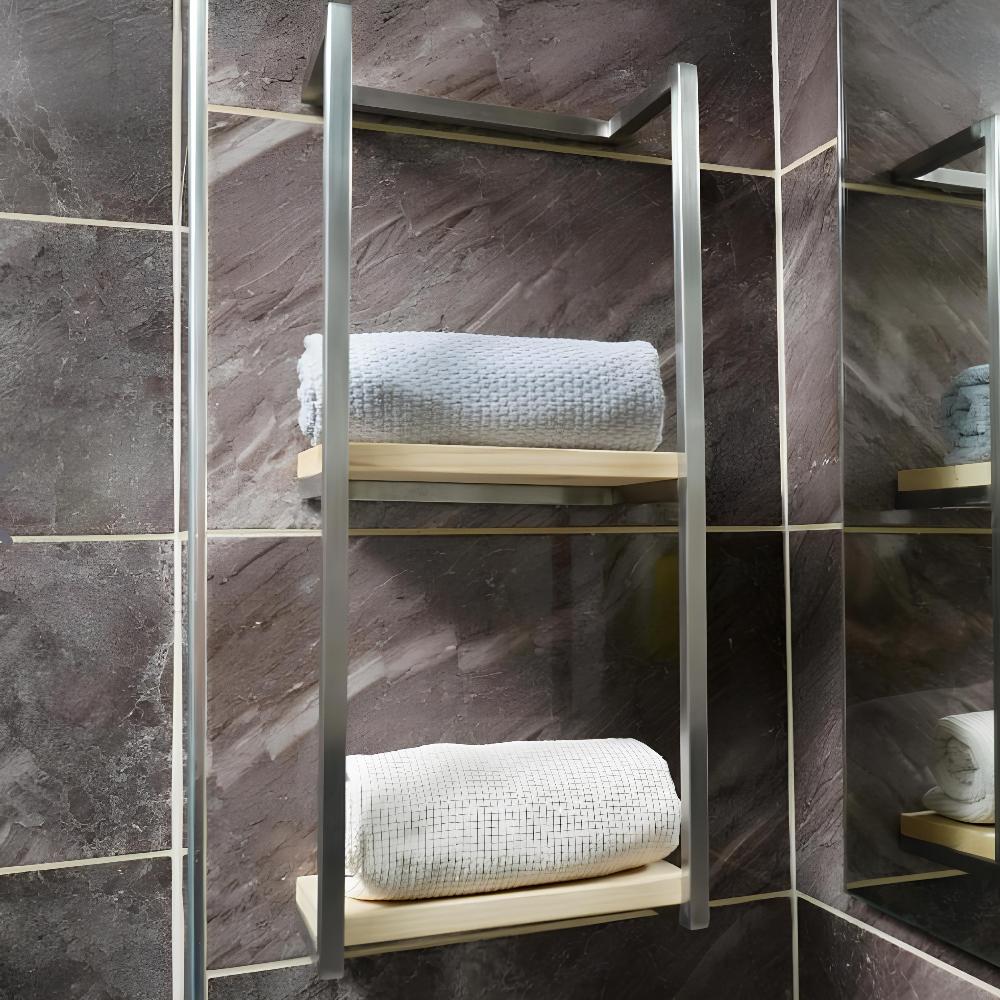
{"points": [[455, 918], [975, 839], [944, 486], [468, 464]]}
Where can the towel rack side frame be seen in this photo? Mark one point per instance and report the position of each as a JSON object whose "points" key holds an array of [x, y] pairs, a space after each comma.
{"points": [[338, 107]]}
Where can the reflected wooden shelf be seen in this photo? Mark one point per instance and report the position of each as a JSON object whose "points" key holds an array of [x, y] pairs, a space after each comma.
{"points": [[944, 486], [372, 926], [479, 466], [939, 838]]}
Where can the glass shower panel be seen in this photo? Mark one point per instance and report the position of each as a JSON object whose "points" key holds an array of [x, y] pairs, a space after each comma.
{"points": [[921, 270]]}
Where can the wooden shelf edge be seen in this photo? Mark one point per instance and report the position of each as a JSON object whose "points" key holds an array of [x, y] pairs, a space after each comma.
{"points": [[978, 840], [449, 463], [943, 477], [386, 926]]}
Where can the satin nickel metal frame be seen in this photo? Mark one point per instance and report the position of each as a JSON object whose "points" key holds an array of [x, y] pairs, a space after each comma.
{"points": [[335, 91], [930, 169]]}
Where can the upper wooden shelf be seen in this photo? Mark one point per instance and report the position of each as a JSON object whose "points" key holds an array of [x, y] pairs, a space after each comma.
{"points": [[944, 486], [975, 839], [449, 463], [386, 926]]}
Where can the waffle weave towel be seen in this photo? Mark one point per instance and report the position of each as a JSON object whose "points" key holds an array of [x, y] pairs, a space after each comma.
{"points": [[479, 389], [450, 819]]}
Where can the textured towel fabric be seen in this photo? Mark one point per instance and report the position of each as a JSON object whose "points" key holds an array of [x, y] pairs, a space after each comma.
{"points": [[479, 389], [451, 819], [965, 415], [962, 766]]}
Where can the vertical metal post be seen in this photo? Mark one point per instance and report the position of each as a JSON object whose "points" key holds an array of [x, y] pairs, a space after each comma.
{"points": [[337, 108], [990, 131], [691, 442], [196, 987]]}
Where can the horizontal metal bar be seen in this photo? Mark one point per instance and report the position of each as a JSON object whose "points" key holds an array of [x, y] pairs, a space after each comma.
{"points": [[499, 493], [948, 856], [940, 154], [965, 496], [475, 114], [955, 181], [552, 125]]}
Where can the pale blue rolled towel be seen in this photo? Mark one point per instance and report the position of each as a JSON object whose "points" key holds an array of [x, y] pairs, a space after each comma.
{"points": [[482, 389], [965, 414]]}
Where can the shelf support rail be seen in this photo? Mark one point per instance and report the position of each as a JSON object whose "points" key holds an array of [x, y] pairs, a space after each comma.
{"points": [[338, 98], [989, 130]]}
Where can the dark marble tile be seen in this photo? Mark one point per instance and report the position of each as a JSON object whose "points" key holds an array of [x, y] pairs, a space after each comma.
{"points": [[817, 605], [914, 316], [840, 961], [645, 959], [914, 73], [85, 108], [588, 57], [101, 931], [919, 646], [87, 328], [811, 235], [454, 236], [86, 648], [807, 75], [478, 639]]}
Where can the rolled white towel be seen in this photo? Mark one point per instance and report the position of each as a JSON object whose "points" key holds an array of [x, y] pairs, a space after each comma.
{"points": [[451, 819], [480, 389], [963, 768]]}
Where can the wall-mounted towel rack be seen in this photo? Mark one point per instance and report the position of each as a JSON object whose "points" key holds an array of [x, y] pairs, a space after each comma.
{"points": [[443, 468]]}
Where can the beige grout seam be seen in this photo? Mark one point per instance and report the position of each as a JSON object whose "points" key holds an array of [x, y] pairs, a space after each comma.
{"points": [[914, 193], [779, 253], [902, 945], [869, 883], [177, 935], [443, 532], [49, 866], [811, 155], [66, 220]]}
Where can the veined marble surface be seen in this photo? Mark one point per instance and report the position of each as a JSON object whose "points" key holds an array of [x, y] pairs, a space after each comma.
{"points": [[87, 382], [85, 107], [86, 651], [588, 58]]}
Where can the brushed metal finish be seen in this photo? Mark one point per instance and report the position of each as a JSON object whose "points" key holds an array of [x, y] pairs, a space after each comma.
{"points": [[989, 129], [337, 155], [691, 493], [550, 125], [197, 512]]}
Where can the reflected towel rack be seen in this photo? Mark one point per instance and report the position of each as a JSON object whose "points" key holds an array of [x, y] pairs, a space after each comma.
{"points": [[330, 85]]}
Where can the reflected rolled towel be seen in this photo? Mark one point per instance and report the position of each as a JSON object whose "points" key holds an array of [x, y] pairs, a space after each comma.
{"points": [[480, 389], [963, 768], [965, 416], [451, 819]]}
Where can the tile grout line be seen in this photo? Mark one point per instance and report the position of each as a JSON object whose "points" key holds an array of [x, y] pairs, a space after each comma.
{"points": [[177, 930], [49, 866], [916, 193], [779, 268], [69, 220], [811, 155], [899, 943], [445, 532]]}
